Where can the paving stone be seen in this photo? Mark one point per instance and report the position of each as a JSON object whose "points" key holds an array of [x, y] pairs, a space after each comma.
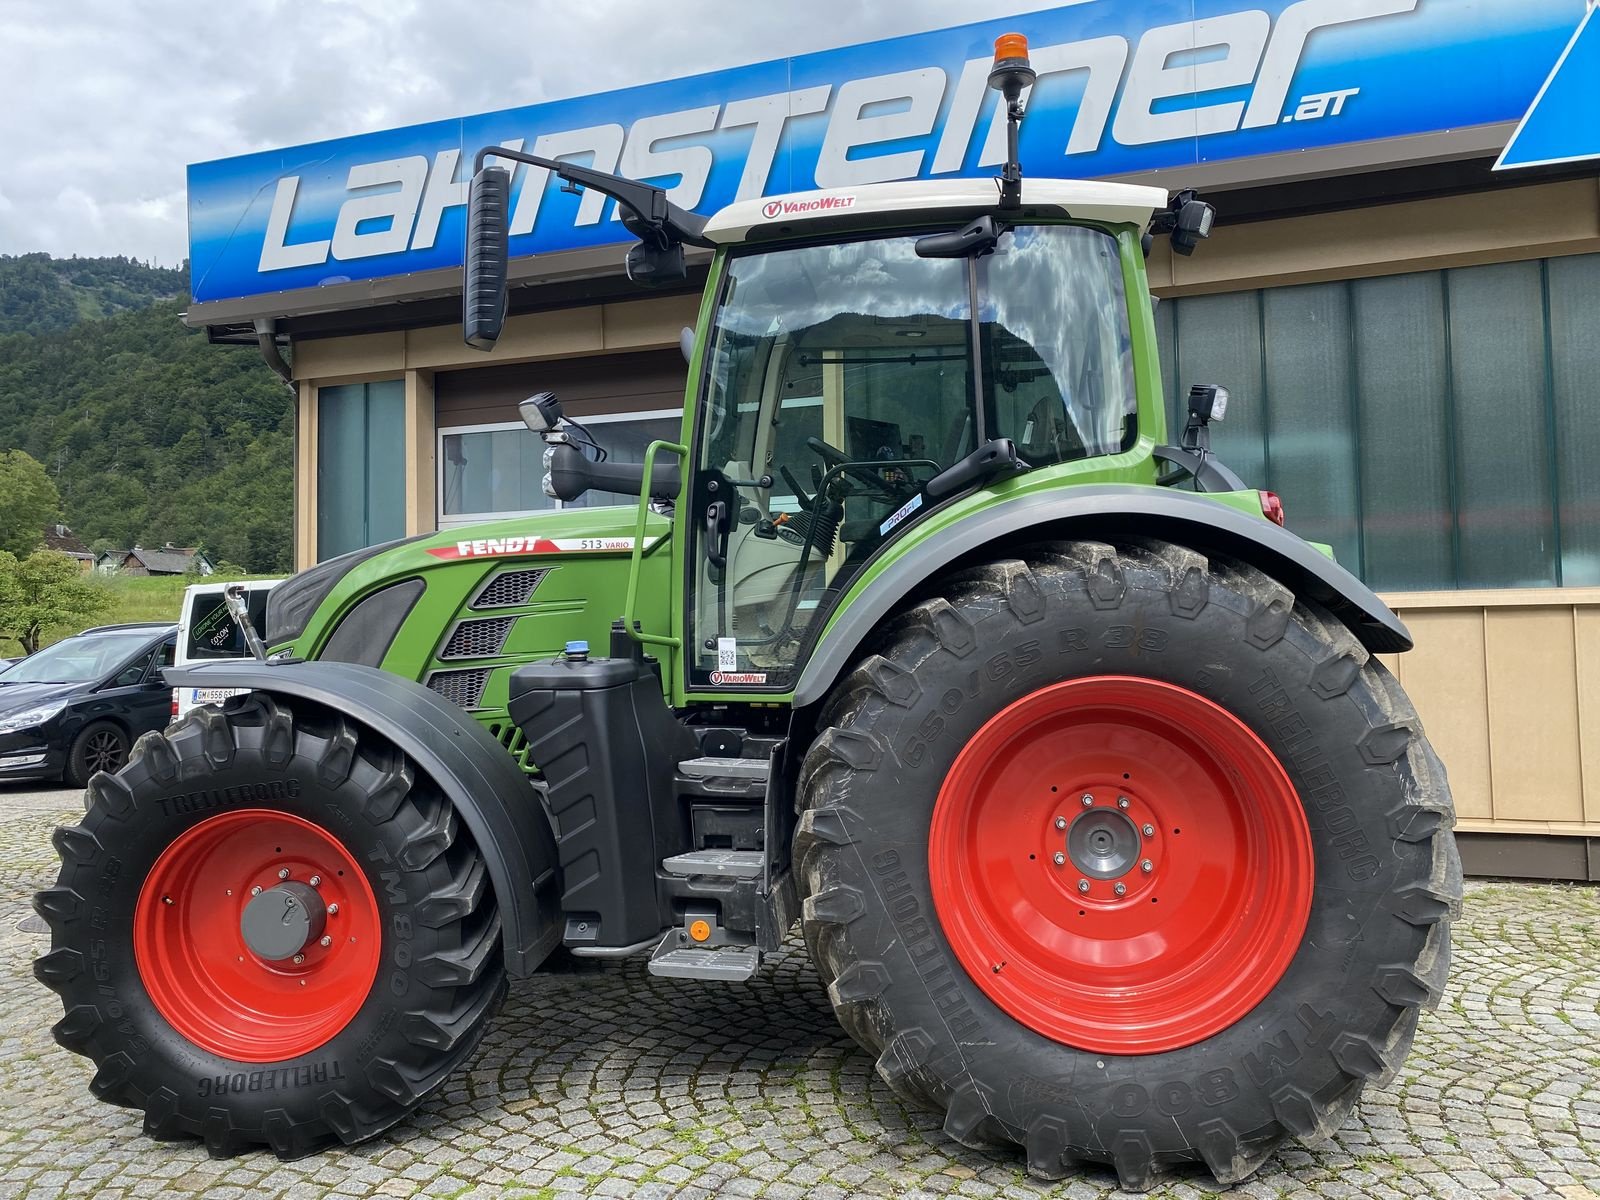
{"points": [[600, 1080]]}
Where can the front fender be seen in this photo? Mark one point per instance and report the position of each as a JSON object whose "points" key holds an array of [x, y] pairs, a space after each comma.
{"points": [[1102, 512], [495, 800]]}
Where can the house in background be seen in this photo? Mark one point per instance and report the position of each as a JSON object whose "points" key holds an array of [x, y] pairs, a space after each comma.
{"points": [[64, 541], [169, 560]]}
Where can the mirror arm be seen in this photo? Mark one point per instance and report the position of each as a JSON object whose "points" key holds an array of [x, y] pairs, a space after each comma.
{"points": [[654, 217]]}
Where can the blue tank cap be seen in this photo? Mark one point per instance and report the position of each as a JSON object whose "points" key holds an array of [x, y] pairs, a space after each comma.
{"points": [[577, 650]]}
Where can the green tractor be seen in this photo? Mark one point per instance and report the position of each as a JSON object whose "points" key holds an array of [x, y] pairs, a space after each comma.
{"points": [[1108, 833]]}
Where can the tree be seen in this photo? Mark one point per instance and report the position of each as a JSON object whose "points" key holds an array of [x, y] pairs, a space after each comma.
{"points": [[42, 592], [28, 503]]}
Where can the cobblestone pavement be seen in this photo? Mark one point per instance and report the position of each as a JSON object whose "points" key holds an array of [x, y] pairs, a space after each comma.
{"points": [[602, 1081]]}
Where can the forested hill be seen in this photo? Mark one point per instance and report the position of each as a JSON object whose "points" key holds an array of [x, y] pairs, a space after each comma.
{"points": [[150, 434], [40, 294]]}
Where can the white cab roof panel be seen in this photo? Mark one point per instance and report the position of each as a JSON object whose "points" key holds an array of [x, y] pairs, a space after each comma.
{"points": [[1112, 203]]}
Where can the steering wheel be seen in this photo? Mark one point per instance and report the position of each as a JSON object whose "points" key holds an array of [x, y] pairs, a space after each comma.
{"points": [[863, 472]]}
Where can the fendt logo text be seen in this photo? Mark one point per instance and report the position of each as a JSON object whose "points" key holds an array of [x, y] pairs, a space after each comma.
{"points": [[1128, 88]]}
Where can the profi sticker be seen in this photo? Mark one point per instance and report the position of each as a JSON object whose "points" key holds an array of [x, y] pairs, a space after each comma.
{"points": [[900, 514], [725, 678], [773, 209], [727, 654]]}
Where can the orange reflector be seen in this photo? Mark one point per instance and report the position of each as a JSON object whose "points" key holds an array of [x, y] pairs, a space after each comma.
{"points": [[1009, 47], [699, 931]]}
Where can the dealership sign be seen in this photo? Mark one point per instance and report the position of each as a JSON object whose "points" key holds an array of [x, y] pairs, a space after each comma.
{"points": [[1123, 88]]}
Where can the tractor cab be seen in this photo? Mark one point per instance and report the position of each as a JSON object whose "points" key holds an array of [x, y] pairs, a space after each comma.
{"points": [[856, 374]]}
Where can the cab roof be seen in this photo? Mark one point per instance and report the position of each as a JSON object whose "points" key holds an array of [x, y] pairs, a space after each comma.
{"points": [[870, 204]]}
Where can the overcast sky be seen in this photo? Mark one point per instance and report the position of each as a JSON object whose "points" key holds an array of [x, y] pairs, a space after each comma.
{"points": [[104, 102]]}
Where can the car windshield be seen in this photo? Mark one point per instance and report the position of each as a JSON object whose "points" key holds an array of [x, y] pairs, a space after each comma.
{"points": [[77, 659]]}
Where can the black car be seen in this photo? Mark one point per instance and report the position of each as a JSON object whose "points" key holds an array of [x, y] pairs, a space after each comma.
{"points": [[78, 706]]}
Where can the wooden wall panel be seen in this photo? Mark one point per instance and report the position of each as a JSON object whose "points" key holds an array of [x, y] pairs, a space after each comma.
{"points": [[1586, 627], [1533, 714], [1446, 679]]}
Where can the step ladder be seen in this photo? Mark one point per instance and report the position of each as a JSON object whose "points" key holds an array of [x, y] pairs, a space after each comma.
{"points": [[680, 955]]}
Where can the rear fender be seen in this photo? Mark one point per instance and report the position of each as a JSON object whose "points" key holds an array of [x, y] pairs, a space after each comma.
{"points": [[1103, 512], [495, 800]]}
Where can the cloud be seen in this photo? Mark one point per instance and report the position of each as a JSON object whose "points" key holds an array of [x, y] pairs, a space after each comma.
{"points": [[104, 102]]}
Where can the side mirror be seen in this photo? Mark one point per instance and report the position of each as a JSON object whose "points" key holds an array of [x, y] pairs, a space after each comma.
{"points": [[541, 413], [483, 293], [686, 344]]}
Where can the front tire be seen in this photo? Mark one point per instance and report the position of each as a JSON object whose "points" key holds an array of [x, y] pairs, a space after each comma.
{"points": [[191, 1010], [1124, 856]]}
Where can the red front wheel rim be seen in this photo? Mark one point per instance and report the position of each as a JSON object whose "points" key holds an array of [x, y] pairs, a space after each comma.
{"points": [[202, 973], [1121, 864]]}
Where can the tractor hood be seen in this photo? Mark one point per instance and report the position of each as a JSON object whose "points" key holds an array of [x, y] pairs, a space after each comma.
{"points": [[394, 604]]}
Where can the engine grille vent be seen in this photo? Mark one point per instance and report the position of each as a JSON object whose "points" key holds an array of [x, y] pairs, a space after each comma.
{"points": [[483, 638], [510, 589], [462, 688]]}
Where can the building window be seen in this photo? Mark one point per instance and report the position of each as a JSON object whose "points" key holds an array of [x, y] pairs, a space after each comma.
{"points": [[1429, 426], [361, 455], [487, 472]]}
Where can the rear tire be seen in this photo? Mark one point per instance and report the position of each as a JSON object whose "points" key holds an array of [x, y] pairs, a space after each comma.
{"points": [[151, 890], [889, 921]]}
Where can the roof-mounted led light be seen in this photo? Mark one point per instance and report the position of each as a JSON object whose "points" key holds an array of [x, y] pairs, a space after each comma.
{"points": [[1011, 76], [1012, 71], [1010, 48]]}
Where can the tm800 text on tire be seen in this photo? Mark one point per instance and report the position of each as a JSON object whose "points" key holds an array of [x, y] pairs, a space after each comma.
{"points": [[1125, 856], [269, 930]]}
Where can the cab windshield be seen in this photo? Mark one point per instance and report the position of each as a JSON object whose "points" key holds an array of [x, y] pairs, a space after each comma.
{"points": [[844, 376]]}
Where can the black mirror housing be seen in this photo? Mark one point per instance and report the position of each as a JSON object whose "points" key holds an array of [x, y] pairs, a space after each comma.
{"points": [[569, 474], [653, 266], [483, 294]]}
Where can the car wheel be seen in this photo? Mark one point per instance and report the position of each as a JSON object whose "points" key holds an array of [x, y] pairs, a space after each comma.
{"points": [[99, 747]]}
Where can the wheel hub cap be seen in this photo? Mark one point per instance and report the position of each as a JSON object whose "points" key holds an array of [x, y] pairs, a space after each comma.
{"points": [[1103, 844], [280, 922], [1121, 864]]}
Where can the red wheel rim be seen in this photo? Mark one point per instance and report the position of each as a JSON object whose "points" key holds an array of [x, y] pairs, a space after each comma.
{"points": [[201, 973], [1111, 780]]}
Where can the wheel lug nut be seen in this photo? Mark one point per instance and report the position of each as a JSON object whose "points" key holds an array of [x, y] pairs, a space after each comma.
{"points": [[1147, 866], [1083, 885], [1122, 802], [283, 873], [1121, 889], [333, 910], [1149, 831], [256, 891], [1061, 822], [1059, 859], [299, 958], [315, 881], [326, 941], [1088, 800]]}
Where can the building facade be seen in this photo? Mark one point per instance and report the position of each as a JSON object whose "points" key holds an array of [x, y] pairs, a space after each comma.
{"points": [[1409, 334]]}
